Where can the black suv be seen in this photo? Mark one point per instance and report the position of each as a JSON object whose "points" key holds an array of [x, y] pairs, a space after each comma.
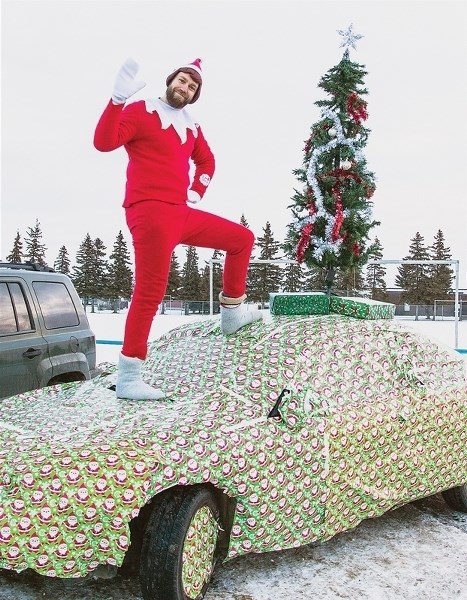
{"points": [[44, 332]]}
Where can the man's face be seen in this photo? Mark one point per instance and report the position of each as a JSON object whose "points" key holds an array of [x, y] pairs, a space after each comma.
{"points": [[181, 90]]}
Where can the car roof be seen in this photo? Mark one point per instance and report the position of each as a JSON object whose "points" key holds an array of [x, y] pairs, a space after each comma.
{"points": [[27, 266]]}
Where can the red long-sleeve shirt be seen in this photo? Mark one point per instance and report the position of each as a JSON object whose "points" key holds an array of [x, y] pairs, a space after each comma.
{"points": [[159, 163]]}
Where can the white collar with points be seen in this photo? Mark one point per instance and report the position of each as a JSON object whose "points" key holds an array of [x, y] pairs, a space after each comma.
{"points": [[179, 118]]}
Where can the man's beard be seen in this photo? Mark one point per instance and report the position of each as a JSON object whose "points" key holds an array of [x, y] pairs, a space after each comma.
{"points": [[176, 100]]}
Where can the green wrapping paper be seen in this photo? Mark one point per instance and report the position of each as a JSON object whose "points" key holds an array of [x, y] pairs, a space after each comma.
{"points": [[361, 308], [299, 303], [375, 418]]}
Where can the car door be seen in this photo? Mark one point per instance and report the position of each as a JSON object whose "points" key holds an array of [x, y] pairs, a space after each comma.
{"points": [[22, 347], [65, 326]]}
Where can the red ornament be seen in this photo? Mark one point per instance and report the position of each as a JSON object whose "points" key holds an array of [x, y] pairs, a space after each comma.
{"points": [[356, 249]]}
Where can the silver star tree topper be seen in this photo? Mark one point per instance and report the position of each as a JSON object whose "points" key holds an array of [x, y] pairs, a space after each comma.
{"points": [[349, 37]]}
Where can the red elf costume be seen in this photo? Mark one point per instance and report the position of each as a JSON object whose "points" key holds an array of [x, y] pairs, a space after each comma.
{"points": [[162, 140]]}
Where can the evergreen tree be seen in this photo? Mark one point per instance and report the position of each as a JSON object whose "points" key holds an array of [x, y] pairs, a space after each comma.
{"points": [[191, 278], [265, 278], [16, 253], [317, 278], [35, 249], [99, 281], [251, 271], [174, 284], [413, 279], [375, 275], [244, 222], [217, 272], [294, 278], [62, 262], [120, 276], [349, 281], [332, 211], [205, 289], [440, 276], [82, 275]]}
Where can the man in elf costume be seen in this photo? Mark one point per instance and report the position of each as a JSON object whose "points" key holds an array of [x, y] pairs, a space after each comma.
{"points": [[161, 138]]}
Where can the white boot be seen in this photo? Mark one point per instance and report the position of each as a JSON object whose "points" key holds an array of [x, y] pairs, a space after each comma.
{"points": [[236, 315], [130, 384]]}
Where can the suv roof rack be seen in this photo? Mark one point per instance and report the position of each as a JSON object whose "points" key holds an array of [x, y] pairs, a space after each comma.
{"points": [[27, 265]]}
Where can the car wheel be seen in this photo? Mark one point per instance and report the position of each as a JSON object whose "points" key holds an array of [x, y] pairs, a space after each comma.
{"points": [[456, 498], [178, 554]]}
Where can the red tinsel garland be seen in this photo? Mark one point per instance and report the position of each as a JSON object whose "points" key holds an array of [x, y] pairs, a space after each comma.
{"points": [[346, 174], [307, 229], [370, 190], [308, 145], [304, 241], [339, 216], [356, 107]]}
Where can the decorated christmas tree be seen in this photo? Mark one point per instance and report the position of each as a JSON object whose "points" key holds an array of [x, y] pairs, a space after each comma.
{"points": [[332, 212]]}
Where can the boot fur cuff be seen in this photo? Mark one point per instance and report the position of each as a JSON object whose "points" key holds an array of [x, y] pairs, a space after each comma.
{"points": [[231, 301]]}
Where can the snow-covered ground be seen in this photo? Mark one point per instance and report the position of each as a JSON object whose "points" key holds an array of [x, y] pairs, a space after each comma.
{"points": [[417, 552]]}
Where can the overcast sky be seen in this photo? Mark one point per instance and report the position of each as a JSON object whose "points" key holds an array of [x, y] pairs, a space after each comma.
{"points": [[262, 62]]}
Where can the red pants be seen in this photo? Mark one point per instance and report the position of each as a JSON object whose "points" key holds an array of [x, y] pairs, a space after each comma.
{"points": [[157, 228]]}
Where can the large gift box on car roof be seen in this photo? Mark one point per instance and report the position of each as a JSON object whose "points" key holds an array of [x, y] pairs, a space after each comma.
{"points": [[299, 303], [362, 308]]}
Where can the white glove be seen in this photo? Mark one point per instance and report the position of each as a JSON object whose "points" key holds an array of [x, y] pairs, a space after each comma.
{"points": [[193, 197], [125, 84]]}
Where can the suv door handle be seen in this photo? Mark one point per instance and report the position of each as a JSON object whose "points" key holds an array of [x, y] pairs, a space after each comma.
{"points": [[31, 353]]}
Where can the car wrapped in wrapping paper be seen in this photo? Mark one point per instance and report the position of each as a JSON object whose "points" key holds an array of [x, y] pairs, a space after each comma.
{"points": [[289, 432]]}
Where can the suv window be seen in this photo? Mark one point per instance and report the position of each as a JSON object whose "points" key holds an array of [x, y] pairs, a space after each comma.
{"points": [[56, 304], [7, 314], [23, 316], [14, 314]]}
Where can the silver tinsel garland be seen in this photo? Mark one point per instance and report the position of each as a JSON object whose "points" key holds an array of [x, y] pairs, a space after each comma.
{"points": [[323, 245]]}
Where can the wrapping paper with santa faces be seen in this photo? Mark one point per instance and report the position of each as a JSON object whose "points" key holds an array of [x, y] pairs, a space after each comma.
{"points": [[372, 416]]}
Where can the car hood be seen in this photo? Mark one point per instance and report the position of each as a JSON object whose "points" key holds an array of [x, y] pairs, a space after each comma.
{"points": [[77, 464]]}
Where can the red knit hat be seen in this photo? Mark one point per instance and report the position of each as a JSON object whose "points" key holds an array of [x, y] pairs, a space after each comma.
{"points": [[193, 69]]}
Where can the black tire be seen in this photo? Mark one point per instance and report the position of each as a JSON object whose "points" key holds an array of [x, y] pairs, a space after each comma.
{"points": [[180, 545], [456, 498]]}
